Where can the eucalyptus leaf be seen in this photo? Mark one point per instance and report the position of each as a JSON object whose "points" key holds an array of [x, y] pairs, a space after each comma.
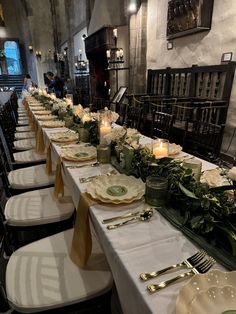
{"points": [[187, 192], [231, 235]]}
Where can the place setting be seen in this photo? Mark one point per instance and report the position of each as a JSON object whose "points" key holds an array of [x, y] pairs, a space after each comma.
{"points": [[52, 124], [65, 137]]}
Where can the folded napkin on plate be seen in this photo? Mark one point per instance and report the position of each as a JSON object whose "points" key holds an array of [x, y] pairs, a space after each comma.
{"points": [[81, 246]]}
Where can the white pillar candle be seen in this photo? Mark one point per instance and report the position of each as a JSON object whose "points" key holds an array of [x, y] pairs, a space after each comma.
{"points": [[105, 129], [115, 32], [160, 148], [108, 54]]}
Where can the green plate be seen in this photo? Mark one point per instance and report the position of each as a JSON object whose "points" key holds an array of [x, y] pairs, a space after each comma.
{"points": [[81, 154], [117, 190]]}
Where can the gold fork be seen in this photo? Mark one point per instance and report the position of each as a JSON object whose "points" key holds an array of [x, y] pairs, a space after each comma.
{"points": [[199, 269], [88, 179], [187, 263]]}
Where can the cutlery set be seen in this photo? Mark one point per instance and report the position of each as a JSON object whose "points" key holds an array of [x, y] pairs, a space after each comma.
{"points": [[142, 215], [197, 264], [89, 179]]}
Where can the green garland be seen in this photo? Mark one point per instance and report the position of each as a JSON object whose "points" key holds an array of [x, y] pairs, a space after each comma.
{"points": [[206, 211]]}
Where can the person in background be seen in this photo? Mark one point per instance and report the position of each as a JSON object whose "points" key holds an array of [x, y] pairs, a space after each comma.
{"points": [[55, 85], [28, 82]]}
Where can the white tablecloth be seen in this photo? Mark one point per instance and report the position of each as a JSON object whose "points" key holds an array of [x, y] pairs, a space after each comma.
{"points": [[130, 250], [136, 248]]}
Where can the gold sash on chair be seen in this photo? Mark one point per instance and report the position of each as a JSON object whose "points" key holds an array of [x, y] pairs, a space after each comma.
{"points": [[59, 184], [40, 147], [49, 160], [81, 246]]}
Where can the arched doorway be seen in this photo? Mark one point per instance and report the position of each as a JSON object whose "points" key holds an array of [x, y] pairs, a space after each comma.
{"points": [[13, 59]]}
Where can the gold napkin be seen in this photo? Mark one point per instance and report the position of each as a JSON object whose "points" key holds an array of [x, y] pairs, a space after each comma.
{"points": [[81, 246], [25, 103], [49, 160], [59, 184], [39, 141]]}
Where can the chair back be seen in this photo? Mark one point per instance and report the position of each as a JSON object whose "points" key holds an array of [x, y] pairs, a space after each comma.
{"points": [[134, 115], [204, 139], [121, 110], [5, 153], [162, 124]]}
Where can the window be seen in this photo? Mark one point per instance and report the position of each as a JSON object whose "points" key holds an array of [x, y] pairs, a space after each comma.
{"points": [[13, 61]]}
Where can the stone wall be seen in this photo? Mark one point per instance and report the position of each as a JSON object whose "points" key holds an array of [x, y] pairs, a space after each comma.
{"points": [[204, 48]]}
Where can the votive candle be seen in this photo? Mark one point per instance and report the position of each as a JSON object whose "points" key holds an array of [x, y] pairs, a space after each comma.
{"points": [[160, 148], [105, 128]]}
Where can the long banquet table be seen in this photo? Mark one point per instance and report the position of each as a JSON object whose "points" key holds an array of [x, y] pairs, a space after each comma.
{"points": [[135, 248]]}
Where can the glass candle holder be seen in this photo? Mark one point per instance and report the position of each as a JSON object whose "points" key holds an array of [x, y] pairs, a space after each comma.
{"points": [[69, 121], [104, 125], [83, 135], [104, 154], [156, 191], [195, 165], [160, 148]]}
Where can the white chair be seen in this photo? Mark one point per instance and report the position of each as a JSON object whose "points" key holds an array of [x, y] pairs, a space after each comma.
{"points": [[30, 178], [25, 144], [37, 207], [41, 276], [24, 158], [24, 135], [26, 128], [29, 156]]}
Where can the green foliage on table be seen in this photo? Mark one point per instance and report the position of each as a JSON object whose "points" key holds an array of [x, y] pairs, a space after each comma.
{"points": [[92, 127], [208, 212]]}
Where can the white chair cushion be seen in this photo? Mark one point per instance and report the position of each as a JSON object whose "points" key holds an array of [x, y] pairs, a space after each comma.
{"points": [[23, 118], [22, 115], [24, 135], [29, 156], [37, 208], [21, 109], [26, 128], [25, 144], [23, 122], [30, 177], [41, 276]]}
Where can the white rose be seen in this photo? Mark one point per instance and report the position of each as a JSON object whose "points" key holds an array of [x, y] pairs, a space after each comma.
{"points": [[232, 174]]}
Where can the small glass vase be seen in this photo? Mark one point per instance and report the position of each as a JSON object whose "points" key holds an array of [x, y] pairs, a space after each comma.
{"points": [[156, 191], [84, 135], [104, 154], [68, 121]]}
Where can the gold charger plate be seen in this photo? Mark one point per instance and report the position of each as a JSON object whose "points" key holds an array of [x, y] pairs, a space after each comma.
{"points": [[53, 124], [79, 153], [63, 137], [42, 112], [46, 118]]}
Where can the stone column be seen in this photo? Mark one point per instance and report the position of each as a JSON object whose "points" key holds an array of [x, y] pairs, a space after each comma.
{"points": [[138, 49]]}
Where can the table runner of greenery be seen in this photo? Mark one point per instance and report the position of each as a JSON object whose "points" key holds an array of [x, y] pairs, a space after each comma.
{"points": [[207, 243], [207, 216]]}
